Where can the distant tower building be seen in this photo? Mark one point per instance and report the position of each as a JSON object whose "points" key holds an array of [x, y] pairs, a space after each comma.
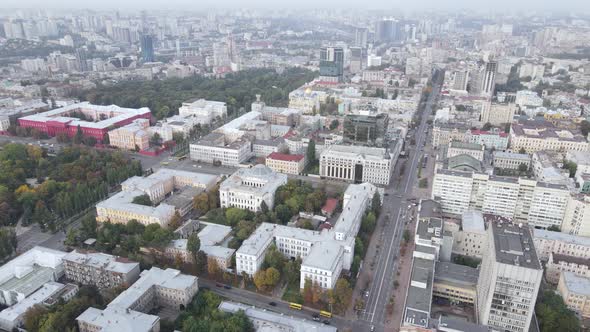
{"points": [[509, 278], [388, 30], [361, 37], [460, 80], [489, 78], [147, 48], [82, 59], [356, 59], [331, 64]]}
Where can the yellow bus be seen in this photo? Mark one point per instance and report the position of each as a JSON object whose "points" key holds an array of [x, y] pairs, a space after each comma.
{"points": [[325, 314], [295, 306]]}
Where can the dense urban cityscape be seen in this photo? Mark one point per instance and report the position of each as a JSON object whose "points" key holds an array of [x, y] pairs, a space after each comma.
{"points": [[258, 168]]}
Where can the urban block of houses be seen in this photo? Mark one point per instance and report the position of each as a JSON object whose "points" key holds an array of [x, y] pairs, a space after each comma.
{"points": [[100, 270], [324, 253], [93, 120], [129, 311], [120, 208]]}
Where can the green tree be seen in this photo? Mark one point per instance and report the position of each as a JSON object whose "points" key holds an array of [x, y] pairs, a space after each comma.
{"points": [[334, 124], [79, 136], [310, 155], [523, 168], [342, 295], [193, 245], [233, 215], [142, 200], [201, 202], [283, 213], [156, 139], [553, 314], [376, 203]]}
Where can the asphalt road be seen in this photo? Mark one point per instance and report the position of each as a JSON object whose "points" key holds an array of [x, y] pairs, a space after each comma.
{"points": [[395, 207]]}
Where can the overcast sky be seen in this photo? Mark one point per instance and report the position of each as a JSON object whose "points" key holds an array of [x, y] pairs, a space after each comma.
{"points": [[495, 5]]}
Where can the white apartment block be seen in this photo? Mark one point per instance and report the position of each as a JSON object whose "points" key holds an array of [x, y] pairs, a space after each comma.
{"points": [[498, 114], [357, 164], [558, 264], [456, 148], [128, 312], [203, 111], [120, 207], [307, 100], [536, 203], [577, 216], [508, 160], [247, 188], [286, 163], [442, 135], [100, 270], [525, 98], [325, 254], [509, 278], [211, 149], [533, 139], [575, 292], [547, 242]]}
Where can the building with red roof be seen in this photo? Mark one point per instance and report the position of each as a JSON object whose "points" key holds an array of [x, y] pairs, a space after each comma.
{"points": [[330, 206], [286, 163]]}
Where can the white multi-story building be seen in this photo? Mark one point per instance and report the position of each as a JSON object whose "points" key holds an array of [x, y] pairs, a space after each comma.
{"points": [[203, 111], [28, 280], [131, 136], [498, 114], [128, 311], [536, 203], [307, 100], [577, 216], [120, 207], [247, 188], [325, 254], [525, 98], [507, 160], [212, 148], [100, 270], [509, 278], [358, 164]]}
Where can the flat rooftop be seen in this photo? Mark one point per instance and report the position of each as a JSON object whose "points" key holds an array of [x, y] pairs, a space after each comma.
{"points": [[575, 284], [456, 274], [514, 245], [419, 295], [561, 237]]}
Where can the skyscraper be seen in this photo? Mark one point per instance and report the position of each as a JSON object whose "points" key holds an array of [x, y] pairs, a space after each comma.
{"points": [[361, 37], [331, 63], [356, 59], [147, 48], [509, 278], [387, 30], [489, 78]]}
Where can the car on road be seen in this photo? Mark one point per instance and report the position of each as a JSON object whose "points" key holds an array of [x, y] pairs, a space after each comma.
{"points": [[273, 304], [372, 328], [227, 286], [325, 321], [316, 317], [218, 285]]}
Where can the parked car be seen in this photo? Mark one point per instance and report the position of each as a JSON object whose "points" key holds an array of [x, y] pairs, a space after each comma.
{"points": [[274, 304], [227, 286]]}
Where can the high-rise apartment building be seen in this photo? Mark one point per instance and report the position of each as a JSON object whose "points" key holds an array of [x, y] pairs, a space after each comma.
{"points": [[509, 278], [147, 48], [361, 37], [356, 59], [489, 78], [331, 64], [365, 129]]}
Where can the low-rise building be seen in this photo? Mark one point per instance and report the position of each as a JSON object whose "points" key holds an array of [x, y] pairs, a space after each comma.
{"points": [[213, 148], [536, 137], [508, 160], [498, 113], [559, 263], [262, 147], [120, 207], [575, 292], [577, 216], [247, 188], [470, 239], [133, 136], [443, 133], [203, 111], [129, 311], [212, 237], [456, 148], [286, 163], [100, 270], [490, 139], [454, 282], [547, 242]]}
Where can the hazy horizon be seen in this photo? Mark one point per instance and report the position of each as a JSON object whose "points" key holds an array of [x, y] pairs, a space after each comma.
{"points": [[422, 5]]}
